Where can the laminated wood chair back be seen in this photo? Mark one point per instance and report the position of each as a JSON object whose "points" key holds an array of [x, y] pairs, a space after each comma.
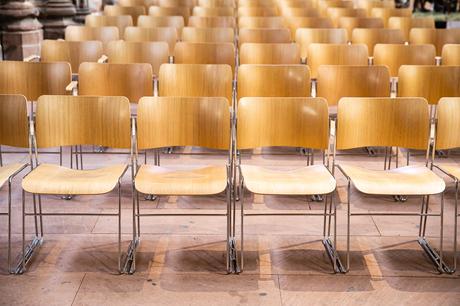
{"points": [[385, 13], [176, 22], [117, 10], [374, 36], [177, 3], [289, 12], [217, 3], [261, 22], [258, 11], [212, 22], [165, 34], [295, 23], [205, 53], [121, 22], [144, 3], [208, 35], [283, 54], [350, 23], [185, 12], [304, 37], [213, 11], [405, 24], [247, 35], [437, 37], [335, 13], [451, 55], [82, 33]]}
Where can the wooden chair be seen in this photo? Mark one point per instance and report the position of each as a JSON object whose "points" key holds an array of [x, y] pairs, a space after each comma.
{"points": [[68, 121], [395, 55], [205, 53], [170, 11], [335, 54], [385, 13], [405, 24], [160, 124], [14, 132], [117, 10], [177, 3], [212, 22], [295, 3], [429, 82], [121, 22], [451, 55], [323, 5], [138, 34], [265, 36], [176, 22], [389, 122], [368, 5], [287, 122], [295, 23], [208, 35], [196, 80], [257, 11], [82, 33], [129, 52], [273, 81], [371, 37], [255, 3], [216, 3], [437, 37], [283, 54], [335, 82], [289, 12], [350, 23], [304, 37], [261, 22], [335, 13], [213, 11], [144, 3]]}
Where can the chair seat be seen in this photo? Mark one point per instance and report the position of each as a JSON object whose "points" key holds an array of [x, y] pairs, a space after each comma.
{"points": [[54, 179], [9, 170], [453, 170], [409, 180], [309, 180], [203, 180]]}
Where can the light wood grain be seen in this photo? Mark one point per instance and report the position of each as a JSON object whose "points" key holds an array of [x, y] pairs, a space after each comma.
{"points": [[304, 37], [212, 22], [437, 37], [273, 81], [247, 35], [299, 12], [216, 3], [395, 55], [295, 3], [448, 124], [166, 34], [255, 3], [213, 11], [430, 82], [80, 33], [335, 82], [203, 35], [374, 36], [295, 23], [323, 5], [405, 24], [269, 54], [34, 79], [177, 3], [451, 55], [205, 53], [335, 54], [121, 22], [350, 23], [170, 11], [368, 5], [144, 3], [176, 22], [257, 11], [385, 13], [117, 10], [335, 13], [132, 81], [261, 22], [196, 80], [14, 129], [8, 170]]}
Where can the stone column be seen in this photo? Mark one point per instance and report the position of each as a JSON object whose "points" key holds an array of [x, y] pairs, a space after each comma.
{"points": [[20, 31], [55, 16]]}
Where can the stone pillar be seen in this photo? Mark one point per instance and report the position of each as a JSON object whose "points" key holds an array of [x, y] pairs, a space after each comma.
{"points": [[82, 10], [20, 31], [55, 16]]}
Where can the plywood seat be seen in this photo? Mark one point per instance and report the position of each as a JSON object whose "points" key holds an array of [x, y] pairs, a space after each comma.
{"points": [[54, 179], [410, 180], [181, 180], [309, 180], [8, 170]]}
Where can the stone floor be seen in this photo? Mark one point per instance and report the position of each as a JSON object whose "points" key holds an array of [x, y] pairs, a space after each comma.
{"points": [[181, 259]]}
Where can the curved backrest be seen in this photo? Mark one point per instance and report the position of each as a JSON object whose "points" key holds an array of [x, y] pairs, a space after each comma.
{"points": [[451, 55], [121, 22], [385, 13], [273, 81], [335, 82], [177, 3], [395, 55], [336, 54], [203, 35], [170, 11], [350, 23], [368, 5], [129, 80], [323, 5], [276, 121], [128, 52], [295, 23], [299, 12], [213, 11], [371, 37], [429, 82], [261, 22], [73, 52], [304, 37], [255, 3], [117, 10], [14, 128], [176, 22], [296, 3], [383, 122], [34, 79], [205, 53], [139, 34], [405, 24], [212, 22], [196, 80], [71, 120], [448, 124], [216, 3], [144, 3], [81, 33], [437, 37], [257, 11], [284, 54], [183, 121], [335, 13], [266, 36]]}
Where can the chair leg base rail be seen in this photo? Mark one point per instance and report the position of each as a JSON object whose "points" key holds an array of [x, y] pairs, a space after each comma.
{"points": [[233, 262], [23, 259], [333, 256], [433, 255], [129, 266]]}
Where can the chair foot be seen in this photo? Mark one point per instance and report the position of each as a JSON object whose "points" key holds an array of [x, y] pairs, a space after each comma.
{"points": [[129, 266], [233, 267], [434, 256], [100, 149], [29, 252], [317, 198], [400, 198], [67, 197], [333, 256], [150, 197]]}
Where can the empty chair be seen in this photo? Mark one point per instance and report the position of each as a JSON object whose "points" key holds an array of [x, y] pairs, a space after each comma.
{"points": [[255, 3], [335, 13], [70, 120], [287, 122], [286, 54], [437, 37], [144, 3], [177, 3], [170, 11], [212, 22], [257, 11], [389, 122], [289, 12], [139, 34], [451, 55], [176, 22], [247, 35], [323, 5], [304, 37], [205, 53], [195, 80], [133, 11], [368, 5], [395, 55], [295, 23], [385, 13], [129, 52], [103, 34], [371, 37], [216, 3], [335, 54], [335, 82], [215, 35], [429, 82], [261, 22], [213, 11], [121, 22], [273, 81], [295, 3], [132, 81], [350, 23], [405, 24]]}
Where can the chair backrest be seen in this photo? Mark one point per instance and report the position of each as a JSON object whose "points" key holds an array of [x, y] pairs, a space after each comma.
{"points": [[82, 33], [247, 35], [289, 12], [129, 52], [383, 122], [196, 80], [273, 81], [395, 55], [203, 35], [75, 120], [374, 36], [278, 121], [335, 82], [255, 3], [216, 3], [205, 53], [335, 13], [117, 10], [261, 22], [34, 79], [451, 55], [73, 52], [138, 34], [213, 11], [385, 13], [405, 24], [295, 23], [14, 129], [170, 11], [448, 123], [177, 3], [350, 23], [212, 22], [284, 54], [323, 5], [368, 5], [176, 22], [304, 37], [336, 54], [437, 37], [257, 11], [132, 81], [429, 82], [121, 22], [144, 3], [296, 3], [183, 121]]}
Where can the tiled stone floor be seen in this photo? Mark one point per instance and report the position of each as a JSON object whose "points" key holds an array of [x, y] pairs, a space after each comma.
{"points": [[181, 260]]}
